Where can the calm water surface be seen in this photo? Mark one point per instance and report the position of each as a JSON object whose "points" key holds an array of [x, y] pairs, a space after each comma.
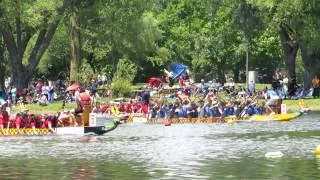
{"points": [[181, 151]]}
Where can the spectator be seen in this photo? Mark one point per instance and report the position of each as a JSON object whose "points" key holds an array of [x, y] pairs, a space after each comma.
{"points": [[39, 88], [45, 90], [42, 99], [50, 92], [315, 85], [104, 79], [251, 88]]}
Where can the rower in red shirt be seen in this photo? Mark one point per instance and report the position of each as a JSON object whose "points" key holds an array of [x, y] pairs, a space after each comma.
{"points": [[18, 121], [129, 107], [1, 122]]}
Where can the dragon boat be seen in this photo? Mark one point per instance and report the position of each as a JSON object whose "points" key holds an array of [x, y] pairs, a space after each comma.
{"points": [[267, 117], [92, 123]]}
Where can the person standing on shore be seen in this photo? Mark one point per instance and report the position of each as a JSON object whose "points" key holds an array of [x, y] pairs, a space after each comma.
{"points": [[315, 85]]}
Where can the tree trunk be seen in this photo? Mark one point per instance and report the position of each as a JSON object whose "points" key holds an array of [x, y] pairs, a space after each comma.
{"points": [[236, 73], [20, 79], [311, 66], [75, 47], [290, 47], [90, 60], [221, 72], [2, 65], [16, 44]]}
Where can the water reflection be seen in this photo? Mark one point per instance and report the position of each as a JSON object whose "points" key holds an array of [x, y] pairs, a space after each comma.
{"points": [[184, 151]]}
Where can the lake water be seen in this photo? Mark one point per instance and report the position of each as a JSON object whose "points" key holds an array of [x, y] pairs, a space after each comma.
{"points": [[180, 151]]}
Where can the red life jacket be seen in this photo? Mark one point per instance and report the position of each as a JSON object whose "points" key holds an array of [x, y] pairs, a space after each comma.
{"points": [[1, 119], [85, 99]]}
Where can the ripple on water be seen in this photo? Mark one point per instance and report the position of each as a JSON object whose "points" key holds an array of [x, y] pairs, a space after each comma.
{"points": [[192, 151]]}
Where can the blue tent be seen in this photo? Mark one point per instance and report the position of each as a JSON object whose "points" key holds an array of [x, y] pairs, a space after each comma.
{"points": [[177, 70]]}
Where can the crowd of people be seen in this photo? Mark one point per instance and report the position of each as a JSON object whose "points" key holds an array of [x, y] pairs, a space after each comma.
{"points": [[41, 92], [25, 119], [185, 100], [206, 99]]}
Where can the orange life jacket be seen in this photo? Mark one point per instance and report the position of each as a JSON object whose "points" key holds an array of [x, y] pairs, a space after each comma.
{"points": [[85, 99]]}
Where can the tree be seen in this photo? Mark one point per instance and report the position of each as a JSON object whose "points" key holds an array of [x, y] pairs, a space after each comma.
{"points": [[20, 21], [293, 20], [121, 30], [248, 20], [217, 43]]}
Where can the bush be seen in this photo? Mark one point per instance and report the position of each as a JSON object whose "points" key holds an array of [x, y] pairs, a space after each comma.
{"points": [[85, 74], [126, 69], [121, 88]]}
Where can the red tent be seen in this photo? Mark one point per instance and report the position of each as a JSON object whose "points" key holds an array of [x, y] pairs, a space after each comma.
{"points": [[155, 82]]}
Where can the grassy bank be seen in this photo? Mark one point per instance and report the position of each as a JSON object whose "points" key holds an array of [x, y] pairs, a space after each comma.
{"points": [[49, 109], [293, 105]]}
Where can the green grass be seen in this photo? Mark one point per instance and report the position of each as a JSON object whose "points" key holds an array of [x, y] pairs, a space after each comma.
{"points": [[138, 85], [314, 104], [49, 109]]}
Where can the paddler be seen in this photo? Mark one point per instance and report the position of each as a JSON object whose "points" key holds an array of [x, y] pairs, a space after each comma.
{"points": [[66, 119], [47, 121], [272, 100], [18, 121]]}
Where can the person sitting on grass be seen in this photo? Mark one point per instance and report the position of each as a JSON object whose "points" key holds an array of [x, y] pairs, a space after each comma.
{"points": [[42, 100]]}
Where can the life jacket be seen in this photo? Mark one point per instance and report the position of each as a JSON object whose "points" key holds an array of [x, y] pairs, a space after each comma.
{"points": [[115, 110], [180, 113], [145, 108], [216, 112], [122, 108], [153, 113], [208, 112], [105, 108], [259, 111], [129, 108], [162, 113], [1, 119], [250, 110], [85, 99], [230, 111]]}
